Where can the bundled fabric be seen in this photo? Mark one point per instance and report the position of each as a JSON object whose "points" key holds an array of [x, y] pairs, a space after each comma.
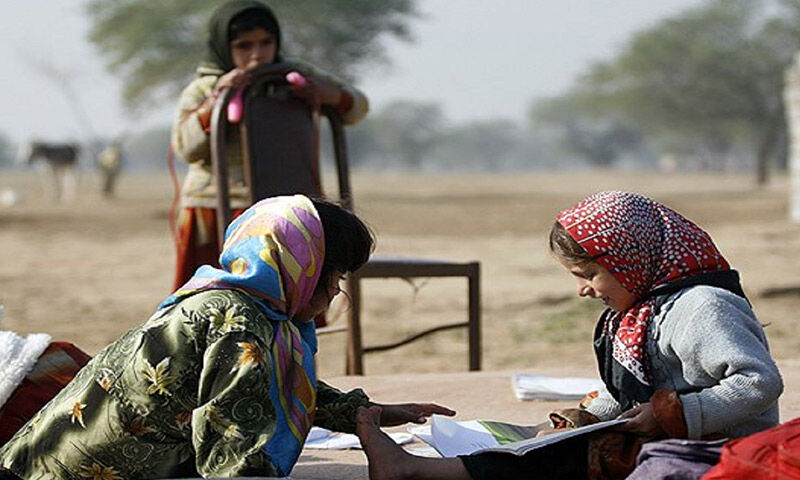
{"points": [[773, 454], [51, 371], [676, 459], [18, 355]]}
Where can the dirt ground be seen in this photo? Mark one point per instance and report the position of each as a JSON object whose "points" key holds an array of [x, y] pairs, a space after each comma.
{"points": [[87, 271]]}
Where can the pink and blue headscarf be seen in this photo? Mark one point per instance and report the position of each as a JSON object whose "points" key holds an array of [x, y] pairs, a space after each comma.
{"points": [[274, 253]]}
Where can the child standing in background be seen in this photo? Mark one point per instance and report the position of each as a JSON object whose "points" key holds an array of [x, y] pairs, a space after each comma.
{"points": [[243, 34]]}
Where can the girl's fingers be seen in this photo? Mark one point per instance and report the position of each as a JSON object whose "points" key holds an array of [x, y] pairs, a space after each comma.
{"points": [[444, 410], [432, 408], [630, 413]]}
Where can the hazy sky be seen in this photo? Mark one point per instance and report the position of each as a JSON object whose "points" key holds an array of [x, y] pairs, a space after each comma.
{"points": [[479, 59]]}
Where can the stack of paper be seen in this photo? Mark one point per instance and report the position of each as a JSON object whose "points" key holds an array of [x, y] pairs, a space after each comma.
{"points": [[530, 386]]}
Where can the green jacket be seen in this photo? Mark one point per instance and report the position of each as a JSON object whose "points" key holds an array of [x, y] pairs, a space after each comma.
{"points": [[173, 397]]}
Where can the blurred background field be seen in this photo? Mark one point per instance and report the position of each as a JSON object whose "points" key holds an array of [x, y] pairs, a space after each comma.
{"points": [[487, 119], [89, 271]]}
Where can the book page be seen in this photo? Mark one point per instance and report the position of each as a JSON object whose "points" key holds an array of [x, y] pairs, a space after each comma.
{"points": [[451, 438], [524, 446], [508, 433]]}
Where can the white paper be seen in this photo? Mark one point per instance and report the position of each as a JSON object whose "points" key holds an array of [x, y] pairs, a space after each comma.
{"points": [[451, 438], [423, 433], [317, 433], [530, 386], [423, 451], [323, 439]]}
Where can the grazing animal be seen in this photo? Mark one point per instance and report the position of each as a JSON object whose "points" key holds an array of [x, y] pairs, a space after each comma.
{"points": [[59, 165], [109, 162]]}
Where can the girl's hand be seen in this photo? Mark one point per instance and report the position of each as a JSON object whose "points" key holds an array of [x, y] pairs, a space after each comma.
{"points": [[400, 413], [327, 93], [642, 422], [233, 79], [549, 431]]}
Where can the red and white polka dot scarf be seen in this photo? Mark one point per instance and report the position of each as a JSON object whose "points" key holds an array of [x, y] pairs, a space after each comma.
{"points": [[645, 245]]}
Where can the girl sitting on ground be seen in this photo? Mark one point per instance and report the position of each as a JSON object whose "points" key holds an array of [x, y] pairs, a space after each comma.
{"points": [[678, 347], [220, 381], [243, 34]]}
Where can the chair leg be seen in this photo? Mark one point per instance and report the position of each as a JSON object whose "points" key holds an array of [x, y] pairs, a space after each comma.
{"points": [[355, 348], [475, 319]]}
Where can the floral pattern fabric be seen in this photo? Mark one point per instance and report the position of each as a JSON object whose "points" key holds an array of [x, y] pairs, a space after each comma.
{"points": [[274, 252], [186, 393]]}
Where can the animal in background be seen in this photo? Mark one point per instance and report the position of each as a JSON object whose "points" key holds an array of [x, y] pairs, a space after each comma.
{"points": [[109, 162], [58, 163]]}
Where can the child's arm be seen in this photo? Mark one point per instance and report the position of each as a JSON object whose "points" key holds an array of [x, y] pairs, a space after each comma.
{"points": [[351, 102], [336, 410], [189, 137], [719, 343]]}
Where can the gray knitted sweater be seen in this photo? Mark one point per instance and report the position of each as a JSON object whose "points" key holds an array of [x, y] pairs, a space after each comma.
{"points": [[707, 344]]}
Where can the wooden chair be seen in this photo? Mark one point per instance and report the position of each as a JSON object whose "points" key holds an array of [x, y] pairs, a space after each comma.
{"points": [[279, 135]]}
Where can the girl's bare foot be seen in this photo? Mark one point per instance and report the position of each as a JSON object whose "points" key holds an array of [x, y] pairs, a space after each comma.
{"points": [[387, 460]]}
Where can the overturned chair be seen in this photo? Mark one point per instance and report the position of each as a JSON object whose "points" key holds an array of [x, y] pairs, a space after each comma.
{"points": [[280, 142]]}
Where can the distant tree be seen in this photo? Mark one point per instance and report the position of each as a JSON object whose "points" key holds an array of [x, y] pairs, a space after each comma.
{"points": [[712, 71], [148, 150], [490, 145], [417, 136], [6, 151], [402, 133], [600, 139], [154, 45]]}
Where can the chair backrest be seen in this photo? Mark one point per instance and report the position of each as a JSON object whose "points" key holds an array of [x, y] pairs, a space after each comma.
{"points": [[279, 137]]}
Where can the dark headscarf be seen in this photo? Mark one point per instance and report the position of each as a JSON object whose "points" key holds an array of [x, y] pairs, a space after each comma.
{"points": [[219, 53]]}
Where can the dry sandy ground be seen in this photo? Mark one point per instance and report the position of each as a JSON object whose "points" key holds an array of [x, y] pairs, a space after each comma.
{"points": [[88, 271]]}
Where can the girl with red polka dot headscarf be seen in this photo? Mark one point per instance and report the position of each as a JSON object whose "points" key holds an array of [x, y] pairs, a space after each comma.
{"points": [[652, 251]]}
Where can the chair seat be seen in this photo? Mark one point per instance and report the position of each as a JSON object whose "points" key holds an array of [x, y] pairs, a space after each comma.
{"points": [[331, 329], [409, 267]]}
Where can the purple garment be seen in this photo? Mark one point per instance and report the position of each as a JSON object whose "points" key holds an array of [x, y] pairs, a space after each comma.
{"points": [[675, 459]]}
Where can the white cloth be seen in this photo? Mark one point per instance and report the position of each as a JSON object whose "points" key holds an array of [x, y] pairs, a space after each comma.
{"points": [[17, 357]]}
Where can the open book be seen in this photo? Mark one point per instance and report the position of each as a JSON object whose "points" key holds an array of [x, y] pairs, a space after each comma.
{"points": [[451, 438]]}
